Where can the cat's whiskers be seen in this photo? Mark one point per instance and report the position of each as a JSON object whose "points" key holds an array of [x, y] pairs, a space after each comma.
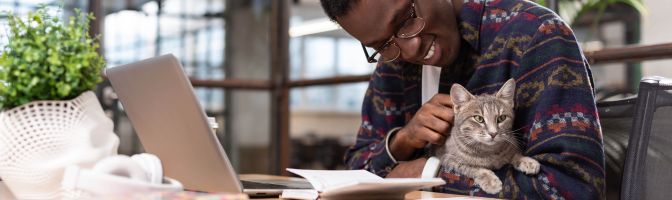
{"points": [[513, 132], [521, 128], [513, 142], [518, 139]]}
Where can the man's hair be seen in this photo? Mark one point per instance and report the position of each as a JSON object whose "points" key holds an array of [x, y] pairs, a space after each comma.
{"points": [[337, 8]]}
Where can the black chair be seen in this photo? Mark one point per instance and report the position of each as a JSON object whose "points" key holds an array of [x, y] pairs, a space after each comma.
{"points": [[616, 119], [647, 172], [639, 171]]}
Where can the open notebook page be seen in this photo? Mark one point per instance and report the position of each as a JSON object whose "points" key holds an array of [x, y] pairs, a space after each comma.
{"points": [[324, 179]]}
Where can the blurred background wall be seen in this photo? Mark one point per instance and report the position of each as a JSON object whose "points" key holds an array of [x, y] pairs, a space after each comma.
{"points": [[656, 29]]}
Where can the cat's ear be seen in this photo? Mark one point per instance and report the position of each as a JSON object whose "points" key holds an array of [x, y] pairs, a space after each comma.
{"points": [[508, 91], [460, 95]]}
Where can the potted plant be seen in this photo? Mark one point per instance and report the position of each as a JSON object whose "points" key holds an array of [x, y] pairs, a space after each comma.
{"points": [[572, 10], [49, 118]]}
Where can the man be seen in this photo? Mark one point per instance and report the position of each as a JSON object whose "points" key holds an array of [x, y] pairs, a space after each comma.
{"points": [[424, 46]]}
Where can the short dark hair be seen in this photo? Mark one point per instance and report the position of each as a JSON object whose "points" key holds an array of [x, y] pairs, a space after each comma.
{"points": [[337, 8]]}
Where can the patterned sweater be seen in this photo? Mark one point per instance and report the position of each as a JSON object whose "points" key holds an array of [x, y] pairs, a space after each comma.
{"points": [[555, 107]]}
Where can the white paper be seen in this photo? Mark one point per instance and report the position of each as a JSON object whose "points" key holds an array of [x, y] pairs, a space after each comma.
{"points": [[299, 194], [356, 184], [431, 76], [324, 179]]}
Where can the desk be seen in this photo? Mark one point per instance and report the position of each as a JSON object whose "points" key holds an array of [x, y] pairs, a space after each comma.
{"points": [[410, 195]]}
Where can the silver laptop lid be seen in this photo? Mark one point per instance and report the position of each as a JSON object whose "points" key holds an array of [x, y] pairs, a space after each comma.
{"points": [[162, 107]]}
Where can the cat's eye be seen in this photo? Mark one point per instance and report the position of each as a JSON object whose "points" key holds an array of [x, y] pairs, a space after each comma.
{"points": [[501, 118], [479, 119]]}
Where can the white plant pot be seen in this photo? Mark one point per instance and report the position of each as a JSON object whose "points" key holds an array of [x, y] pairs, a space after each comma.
{"points": [[5, 194], [39, 139]]}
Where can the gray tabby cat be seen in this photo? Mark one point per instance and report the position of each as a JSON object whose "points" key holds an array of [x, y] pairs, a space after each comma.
{"points": [[481, 138]]}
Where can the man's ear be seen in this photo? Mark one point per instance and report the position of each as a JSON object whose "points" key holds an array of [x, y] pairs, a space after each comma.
{"points": [[460, 95], [508, 91]]}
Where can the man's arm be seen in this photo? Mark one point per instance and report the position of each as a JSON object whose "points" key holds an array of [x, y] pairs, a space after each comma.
{"points": [[392, 136], [381, 113], [430, 125]]}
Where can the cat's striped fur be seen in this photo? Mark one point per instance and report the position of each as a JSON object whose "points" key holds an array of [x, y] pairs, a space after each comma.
{"points": [[482, 138]]}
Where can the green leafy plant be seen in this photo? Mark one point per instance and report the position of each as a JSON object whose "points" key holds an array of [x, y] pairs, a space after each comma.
{"points": [[573, 9], [48, 60]]}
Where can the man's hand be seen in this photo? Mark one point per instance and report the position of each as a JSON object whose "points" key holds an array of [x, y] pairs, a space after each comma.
{"points": [[431, 124], [408, 169]]}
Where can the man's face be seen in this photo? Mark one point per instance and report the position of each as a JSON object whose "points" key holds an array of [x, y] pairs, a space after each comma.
{"points": [[373, 22]]}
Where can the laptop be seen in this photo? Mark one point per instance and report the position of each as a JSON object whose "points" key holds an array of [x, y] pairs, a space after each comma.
{"points": [[167, 117]]}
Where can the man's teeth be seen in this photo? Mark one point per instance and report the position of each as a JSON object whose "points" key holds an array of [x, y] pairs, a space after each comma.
{"points": [[431, 52]]}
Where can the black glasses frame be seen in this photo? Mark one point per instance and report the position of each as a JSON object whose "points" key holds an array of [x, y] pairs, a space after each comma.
{"points": [[390, 42]]}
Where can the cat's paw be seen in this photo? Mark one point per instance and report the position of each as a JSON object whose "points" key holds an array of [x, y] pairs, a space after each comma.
{"points": [[528, 165], [489, 183]]}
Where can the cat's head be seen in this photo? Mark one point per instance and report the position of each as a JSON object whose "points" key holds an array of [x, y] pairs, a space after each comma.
{"points": [[485, 118]]}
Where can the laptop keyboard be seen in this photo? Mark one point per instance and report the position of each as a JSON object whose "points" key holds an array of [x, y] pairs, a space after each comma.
{"points": [[258, 185]]}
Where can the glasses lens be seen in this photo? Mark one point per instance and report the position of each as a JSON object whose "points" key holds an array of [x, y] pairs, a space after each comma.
{"points": [[411, 28], [390, 53]]}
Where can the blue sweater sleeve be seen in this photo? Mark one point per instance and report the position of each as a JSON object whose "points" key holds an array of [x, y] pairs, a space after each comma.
{"points": [[381, 112]]}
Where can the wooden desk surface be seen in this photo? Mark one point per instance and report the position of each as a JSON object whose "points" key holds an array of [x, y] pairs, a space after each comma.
{"points": [[4, 192], [410, 195]]}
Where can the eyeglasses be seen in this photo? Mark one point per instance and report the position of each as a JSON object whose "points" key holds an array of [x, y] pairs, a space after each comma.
{"points": [[390, 51]]}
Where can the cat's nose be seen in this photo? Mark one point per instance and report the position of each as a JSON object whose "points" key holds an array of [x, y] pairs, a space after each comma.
{"points": [[492, 135]]}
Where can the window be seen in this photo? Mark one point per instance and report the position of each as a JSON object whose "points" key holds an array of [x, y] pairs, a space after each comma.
{"points": [[193, 31]]}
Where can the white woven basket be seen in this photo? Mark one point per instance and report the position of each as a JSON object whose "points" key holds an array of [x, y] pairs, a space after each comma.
{"points": [[39, 139]]}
